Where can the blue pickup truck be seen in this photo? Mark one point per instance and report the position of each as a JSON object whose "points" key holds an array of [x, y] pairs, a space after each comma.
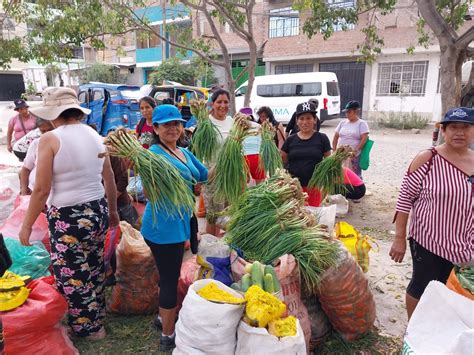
{"points": [[112, 105]]}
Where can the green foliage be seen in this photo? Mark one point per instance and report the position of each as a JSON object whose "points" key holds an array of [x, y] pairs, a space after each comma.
{"points": [[185, 73], [402, 120], [102, 73]]}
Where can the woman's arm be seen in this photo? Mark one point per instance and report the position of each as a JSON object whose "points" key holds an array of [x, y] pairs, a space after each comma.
{"points": [[111, 192], [335, 140], [280, 135], [399, 245], [284, 157], [24, 181], [9, 136], [203, 172], [363, 140]]}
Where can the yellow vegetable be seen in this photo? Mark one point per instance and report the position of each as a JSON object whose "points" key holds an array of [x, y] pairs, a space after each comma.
{"points": [[285, 327], [213, 293], [262, 307], [13, 299], [10, 281]]}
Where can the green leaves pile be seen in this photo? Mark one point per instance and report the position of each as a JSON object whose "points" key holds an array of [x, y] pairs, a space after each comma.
{"points": [[270, 157]]}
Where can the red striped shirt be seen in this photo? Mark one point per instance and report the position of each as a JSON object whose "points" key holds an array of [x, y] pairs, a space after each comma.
{"points": [[441, 201]]}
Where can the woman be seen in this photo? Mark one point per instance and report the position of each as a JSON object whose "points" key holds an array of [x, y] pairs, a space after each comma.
{"points": [[438, 191], [292, 128], [165, 235], [144, 128], [19, 125], [70, 170], [265, 113], [353, 132], [303, 150], [251, 146], [354, 187]]}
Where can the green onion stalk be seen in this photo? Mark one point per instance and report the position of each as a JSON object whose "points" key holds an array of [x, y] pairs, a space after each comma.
{"points": [[206, 139], [230, 179], [270, 157], [164, 186], [328, 175]]}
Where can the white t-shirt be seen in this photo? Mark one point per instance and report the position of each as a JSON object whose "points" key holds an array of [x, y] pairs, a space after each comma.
{"points": [[22, 145], [30, 162], [223, 126], [350, 132]]}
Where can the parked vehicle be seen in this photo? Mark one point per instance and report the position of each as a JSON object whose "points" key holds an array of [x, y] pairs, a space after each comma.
{"points": [[181, 94], [467, 93], [284, 91], [112, 105]]}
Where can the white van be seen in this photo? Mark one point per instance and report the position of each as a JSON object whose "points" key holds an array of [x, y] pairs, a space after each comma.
{"points": [[283, 92]]}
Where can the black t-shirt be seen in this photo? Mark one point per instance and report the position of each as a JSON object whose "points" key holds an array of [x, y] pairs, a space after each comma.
{"points": [[304, 154]]}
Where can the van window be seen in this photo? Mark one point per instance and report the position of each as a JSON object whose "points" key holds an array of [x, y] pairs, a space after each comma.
{"points": [[97, 95], [333, 88], [241, 91], [279, 90], [82, 97]]}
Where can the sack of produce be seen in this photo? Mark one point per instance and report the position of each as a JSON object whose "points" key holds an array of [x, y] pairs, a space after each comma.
{"points": [[189, 271], [32, 261], [209, 319], [213, 257], [35, 327], [346, 298], [461, 280], [9, 190], [288, 275], [261, 275], [320, 325], [136, 289]]}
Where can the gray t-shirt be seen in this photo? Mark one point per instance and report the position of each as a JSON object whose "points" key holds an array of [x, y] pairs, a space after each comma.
{"points": [[350, 132]]}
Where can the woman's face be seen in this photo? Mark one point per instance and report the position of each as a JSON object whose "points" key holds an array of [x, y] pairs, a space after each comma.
{"points": [[220, 107], [146, 110], [263, 116], [458, 135], [352, 115], [169, 132], [23, 111], [306, 122]]}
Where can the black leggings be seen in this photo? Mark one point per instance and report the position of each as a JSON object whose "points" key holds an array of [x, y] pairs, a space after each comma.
{"points": [[354, 192], [168, 259]]}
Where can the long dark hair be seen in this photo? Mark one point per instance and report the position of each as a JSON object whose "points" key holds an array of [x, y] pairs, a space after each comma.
{"points": [[268, 111], [149, 100], [218, 93]]}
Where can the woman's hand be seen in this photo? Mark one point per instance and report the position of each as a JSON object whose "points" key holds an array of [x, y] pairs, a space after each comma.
{"points": [[114, 219], [24, 235], [399, 247], [9, 147]]}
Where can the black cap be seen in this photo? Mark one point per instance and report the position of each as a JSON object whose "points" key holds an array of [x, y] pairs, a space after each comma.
{"points": [[305, 107], [19, 103], [352, 105], [459, 114]]}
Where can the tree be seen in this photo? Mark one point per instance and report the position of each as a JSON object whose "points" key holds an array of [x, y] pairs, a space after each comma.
{"points": [[103, 73], [443, 17], [188, 74]]}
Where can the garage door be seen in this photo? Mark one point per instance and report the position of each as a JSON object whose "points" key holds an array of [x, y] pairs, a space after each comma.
{"points": [[12, 86], [351, 79]]}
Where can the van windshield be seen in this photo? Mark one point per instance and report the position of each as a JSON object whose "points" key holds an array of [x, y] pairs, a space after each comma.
{"points": [[135, 94], [296, 89]]}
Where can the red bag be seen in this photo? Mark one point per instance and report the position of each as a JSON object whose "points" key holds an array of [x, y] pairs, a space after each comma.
{"points": [[35, 327], [187, 276], [112, 238]]}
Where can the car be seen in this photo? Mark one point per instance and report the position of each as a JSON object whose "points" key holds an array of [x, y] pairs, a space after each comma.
{"points": [[181, 94], [112, 105]]}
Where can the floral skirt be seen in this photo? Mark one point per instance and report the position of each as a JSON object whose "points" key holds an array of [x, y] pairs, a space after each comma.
{"points": [[77, 248]]}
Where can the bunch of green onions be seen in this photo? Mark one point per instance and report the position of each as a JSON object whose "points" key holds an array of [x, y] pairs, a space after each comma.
{"points": [[328, 175], [164, 186], [206, 139], [270, 221], [270, 157], [231, 169]]}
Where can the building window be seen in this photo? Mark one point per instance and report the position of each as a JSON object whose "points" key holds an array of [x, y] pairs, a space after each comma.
{"points": [[284, 22], [402, 78], [147, 39], [341, 3], [293, 68], [78, 53]]}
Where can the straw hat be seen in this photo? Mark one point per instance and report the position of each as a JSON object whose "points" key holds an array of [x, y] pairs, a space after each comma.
{"points": [[55, 101]]}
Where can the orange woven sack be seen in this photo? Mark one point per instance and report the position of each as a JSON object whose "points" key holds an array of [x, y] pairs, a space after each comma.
{"points": [[187, 276], [453, 284], [346, 298]]}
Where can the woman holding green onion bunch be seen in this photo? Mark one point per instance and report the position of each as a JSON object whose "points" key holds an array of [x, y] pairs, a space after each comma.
{"points": [[304, 150], [165, 234]]}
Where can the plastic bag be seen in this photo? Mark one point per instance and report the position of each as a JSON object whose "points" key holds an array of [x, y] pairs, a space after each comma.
{"points": [[213, 257], [12, 225], [342, 205], [252, 340], [136, 290], [135, 189], [442, 323], [346, 298], [325, 215], [320, 325], [9, 190], [32, 261], [189, 271], [454, 285], [364, 160], [206, 327], [288, 274], [35, 327], [357, 244]]}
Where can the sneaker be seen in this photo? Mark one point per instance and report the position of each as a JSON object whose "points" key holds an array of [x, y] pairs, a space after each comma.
{"points": [[167, 343], [157, 323]]}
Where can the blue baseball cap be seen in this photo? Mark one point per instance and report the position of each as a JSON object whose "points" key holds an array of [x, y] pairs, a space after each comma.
{"points": [[166, 113], [459, 114]]}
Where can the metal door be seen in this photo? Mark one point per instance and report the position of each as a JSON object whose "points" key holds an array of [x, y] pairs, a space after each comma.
{"points": [[11, 87], [350, 76]]}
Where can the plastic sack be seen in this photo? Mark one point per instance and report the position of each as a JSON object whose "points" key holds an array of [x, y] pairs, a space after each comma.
{"points": [[320, 325], [442, 323], [135, 189], [206, 327], [136, 290], [112, 238], [346, 298], [324, 215], [364, 159], [342, 205], [32, 261], [252, 340], [454, 285], [213, 257], [11, 227], [189, 271], [9, 190], [35, 328], [288, 274], [357, 244]]}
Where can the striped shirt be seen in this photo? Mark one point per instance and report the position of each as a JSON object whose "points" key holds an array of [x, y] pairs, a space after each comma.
{"points": [[441, 201]]}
